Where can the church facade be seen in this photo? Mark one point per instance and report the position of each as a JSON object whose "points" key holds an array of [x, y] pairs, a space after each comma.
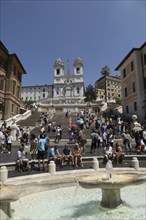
{"points": [[66, 88]]}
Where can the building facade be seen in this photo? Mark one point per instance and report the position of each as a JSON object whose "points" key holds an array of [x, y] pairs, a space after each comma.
{"points": [[36, 93], [133, 72], [66, 88], [11, 71], [108, 89]]}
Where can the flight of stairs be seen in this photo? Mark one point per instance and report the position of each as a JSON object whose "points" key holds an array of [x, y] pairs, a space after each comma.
{"points": [[58, 118], [30, 121]]}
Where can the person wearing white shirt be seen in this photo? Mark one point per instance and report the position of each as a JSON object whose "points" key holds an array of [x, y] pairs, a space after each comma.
{"points": [[22, 160], [2, 141], [9, 142], [108, 153]]}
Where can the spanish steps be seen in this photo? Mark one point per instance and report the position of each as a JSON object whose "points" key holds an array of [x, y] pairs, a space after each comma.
{"points": [[59, 119]]}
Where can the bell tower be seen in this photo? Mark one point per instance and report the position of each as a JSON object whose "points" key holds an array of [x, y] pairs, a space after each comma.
{"points": [[58, 68], [78, 66]]}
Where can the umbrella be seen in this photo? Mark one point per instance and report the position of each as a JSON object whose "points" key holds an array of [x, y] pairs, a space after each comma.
{"points": [[72, 125], [137, 127]]}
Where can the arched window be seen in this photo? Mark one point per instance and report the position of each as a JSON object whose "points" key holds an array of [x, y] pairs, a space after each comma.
{"points": [[78, 70], [57, 91], [58, 71], [78, 90]]}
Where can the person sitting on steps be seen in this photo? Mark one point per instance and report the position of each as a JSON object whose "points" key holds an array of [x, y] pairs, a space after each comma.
{"points": [[22, 160], [108, 153], [118, 154], [67, 155], [56, 156]]}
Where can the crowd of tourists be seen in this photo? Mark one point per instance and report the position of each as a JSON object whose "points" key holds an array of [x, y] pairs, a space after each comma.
{"points": [[103, 134]]}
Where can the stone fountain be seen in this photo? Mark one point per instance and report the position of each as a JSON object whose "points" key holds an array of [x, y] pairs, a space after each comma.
{"points": [[8, 194], [110, 183]]}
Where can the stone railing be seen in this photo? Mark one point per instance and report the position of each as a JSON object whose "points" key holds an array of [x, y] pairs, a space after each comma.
{"points": [[134, 163], [17, 118]]}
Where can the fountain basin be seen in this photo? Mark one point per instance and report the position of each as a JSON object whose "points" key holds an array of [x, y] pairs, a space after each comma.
{"points": [[110, 186], [73, 202], [101, 180], [8, 194]]}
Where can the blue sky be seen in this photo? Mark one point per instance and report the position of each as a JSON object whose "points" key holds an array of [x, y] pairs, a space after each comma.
{"points": [[100, 32]]}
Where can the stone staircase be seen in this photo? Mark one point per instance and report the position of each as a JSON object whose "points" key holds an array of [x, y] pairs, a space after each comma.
{"points": [[30, 121], [58, 118]]}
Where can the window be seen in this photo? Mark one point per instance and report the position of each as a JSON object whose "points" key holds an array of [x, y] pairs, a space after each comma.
{"points": [[145, 59], [58, 71], [12, 107], [43, 90], [133, 87], [43, 95], [126, 92], [14, 86], [57, 91], [15, 70], [132, 66], [18, 92], [78, 70], [3, 63], [2, 84], [124, 73], [17, 110], [78, 90], [127, 109], [135, 106], [19, 76]]}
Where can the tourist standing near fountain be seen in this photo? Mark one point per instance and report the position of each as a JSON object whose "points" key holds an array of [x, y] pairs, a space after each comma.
{"points": [[42, 143], [127, 142], [82, 141]]}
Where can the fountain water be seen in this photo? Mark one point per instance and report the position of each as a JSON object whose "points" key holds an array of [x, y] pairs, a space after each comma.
{"points": [[109, 168], [8, 194], [74, 202], [111, 184]]}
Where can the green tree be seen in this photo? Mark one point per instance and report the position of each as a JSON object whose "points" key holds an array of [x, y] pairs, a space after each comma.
{"points": [[90, 93], [105, 71], [118, 101]]}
